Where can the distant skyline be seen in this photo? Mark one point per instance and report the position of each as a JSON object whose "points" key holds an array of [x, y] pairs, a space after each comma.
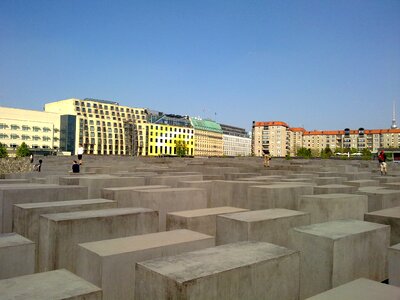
{"points": [[321, 65]]}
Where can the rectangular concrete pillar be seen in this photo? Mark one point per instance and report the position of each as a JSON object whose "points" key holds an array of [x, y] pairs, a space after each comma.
{"points": [[29, 193], [381, 198], [394, 265], [200, 220], [335, 189], [96, 184], [362, 182], [283, 195], [59, 284], [244, 270], [127, 196], [60, 233], [330, 207], [172, 199], [17, 256], [110, 264], [173, 181], [329, 180], [334, 253], [203, 184], [389, 216], [360, 289], [269, 225]]}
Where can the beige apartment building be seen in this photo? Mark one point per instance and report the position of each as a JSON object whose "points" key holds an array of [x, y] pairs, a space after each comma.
{"points": [[101, 126], [39, 130], [271, 135], [208, 138]]}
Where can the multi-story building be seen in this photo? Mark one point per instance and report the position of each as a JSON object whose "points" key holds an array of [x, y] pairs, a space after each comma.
{"points": [[208, 138], [266, 135], [236, 141], [39, 130], [102, 127], [166, 132]]}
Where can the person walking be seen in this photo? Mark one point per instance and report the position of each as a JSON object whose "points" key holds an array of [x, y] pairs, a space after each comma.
{"points": [[382, 162], [80, 153], [267, 158]]}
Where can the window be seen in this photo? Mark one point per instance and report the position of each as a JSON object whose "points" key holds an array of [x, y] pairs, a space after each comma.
{"points": [[3, 126], [14, 136], [25, 137], [25, 127], [3, 136], [36, 129], [46, 129], [14, 127]]}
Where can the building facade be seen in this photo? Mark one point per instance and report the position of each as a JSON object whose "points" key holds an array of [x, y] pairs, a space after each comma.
{"points": [[101, 126], [39, 130], [272, 136], [236, 141], [208, 138]]}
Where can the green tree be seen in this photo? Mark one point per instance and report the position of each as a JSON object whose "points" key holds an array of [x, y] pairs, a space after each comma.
{"points": [[353, 150], [304, 152], [23, 150], [3, 151], [366, 154], [181, 148], [326, 153]]}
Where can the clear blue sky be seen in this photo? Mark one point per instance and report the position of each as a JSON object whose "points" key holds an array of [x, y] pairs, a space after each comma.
{"points": [[325, 64]]}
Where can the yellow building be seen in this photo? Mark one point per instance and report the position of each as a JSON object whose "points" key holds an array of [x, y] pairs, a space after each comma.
{"points": [[102, 127], [208, 138], [162, 139], [39, 130]]}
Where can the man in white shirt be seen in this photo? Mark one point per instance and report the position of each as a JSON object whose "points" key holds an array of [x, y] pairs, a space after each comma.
{"points": [[80, 153]]}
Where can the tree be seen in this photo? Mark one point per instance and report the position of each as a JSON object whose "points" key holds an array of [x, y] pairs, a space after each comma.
{"points": [[3, 151], [366, 154], [304, 152], [181, 148], [23, 150], [326, 153]]}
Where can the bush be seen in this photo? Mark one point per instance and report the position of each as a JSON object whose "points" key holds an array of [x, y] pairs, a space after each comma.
{"points": [[304, 152], [14, 165], [3, 151]]}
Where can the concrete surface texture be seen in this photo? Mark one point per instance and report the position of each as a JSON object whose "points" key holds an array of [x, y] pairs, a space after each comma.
{"points": [[58, 284], [105, 263], [394, 265], [389, 216], [244, 270], [381, 198]]}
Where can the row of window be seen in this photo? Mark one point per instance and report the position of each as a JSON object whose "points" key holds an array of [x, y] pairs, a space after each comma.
{"points": [[170, 129], [34, 146], [26, 137], [25, 127], [103, 106], [165, 150]]}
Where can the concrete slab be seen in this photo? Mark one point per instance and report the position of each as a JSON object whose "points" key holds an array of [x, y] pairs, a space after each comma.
{"points": [[360, 289], [13, 181], [172, 199], [362, 183], [110, 264], [394, 265], [128, 196], [96, 184], [17, 256], [389, 216], [330, 207], [60, 233], [392, 185], [59, 284], [270, 225], [379, 199], [200, 220], [335, 189], [329, 180], [232, 271], [29, 193], [283, 195], [337, 252], [202, 184], [172, 180]]}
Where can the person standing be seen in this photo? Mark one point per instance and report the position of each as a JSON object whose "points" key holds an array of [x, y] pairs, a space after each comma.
{"points": [[80, 153], [382, 162], [31, 158], [267, 158]]}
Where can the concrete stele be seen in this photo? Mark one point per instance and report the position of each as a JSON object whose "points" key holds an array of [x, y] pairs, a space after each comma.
{"points": [[110, 264], [60, 233], [330, 207], [389, 216], [394, 265], [335, 189], [337, 252], [58, 284], [200, 220], [269, 225], [381, 198], [17, 256], [232, 271]]}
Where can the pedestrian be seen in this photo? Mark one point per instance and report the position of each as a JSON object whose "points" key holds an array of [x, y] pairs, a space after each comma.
{"points": [[75, 167], [382, 162], [38, 167], [80, 153], [31, 158], [267, 158]]}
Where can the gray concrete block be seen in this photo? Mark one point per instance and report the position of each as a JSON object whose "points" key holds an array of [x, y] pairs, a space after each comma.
{"points": [[358, 175], [270, 225], [236, 176], [96, 184], [26, 215], [335, 189], [200, 220], [362, 182], [389, 216], [360, 289], [173, 180], [59, 284], [392, 185], [60, 233], [283, 195], [127, 196], [17, 256], [244, 270], [394, 265], [379, 198], [14, 181], [172, 199], [203, 184], [334, 253], [110, 264], [29, 193], [329, 180], [330, 207]]}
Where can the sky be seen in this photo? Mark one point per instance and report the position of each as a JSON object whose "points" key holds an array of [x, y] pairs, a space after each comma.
{"points": [[321, 65]]}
